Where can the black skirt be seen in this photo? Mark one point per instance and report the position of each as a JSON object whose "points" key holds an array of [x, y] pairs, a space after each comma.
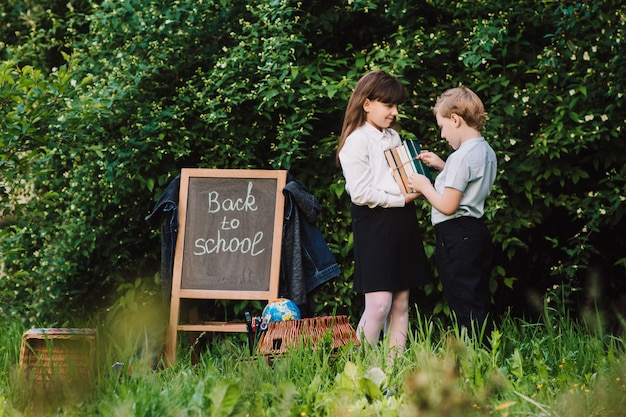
{"points": [[388, 249]]}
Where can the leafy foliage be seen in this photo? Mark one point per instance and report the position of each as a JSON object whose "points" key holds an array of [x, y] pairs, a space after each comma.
{"points": [[103, 102]]}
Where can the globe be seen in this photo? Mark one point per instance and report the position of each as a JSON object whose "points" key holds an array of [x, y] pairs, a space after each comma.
{"points": [[281, 309]]}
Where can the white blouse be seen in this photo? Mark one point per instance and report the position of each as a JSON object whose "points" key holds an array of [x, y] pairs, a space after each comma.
{"points": [[369, 180]]}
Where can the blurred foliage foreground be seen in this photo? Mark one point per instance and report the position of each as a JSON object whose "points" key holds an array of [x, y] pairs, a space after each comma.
{"points": [[551, 368]]}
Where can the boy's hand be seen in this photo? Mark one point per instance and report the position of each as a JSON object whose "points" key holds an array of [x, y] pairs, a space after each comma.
{"points": [[418, 182], [432, 160]]}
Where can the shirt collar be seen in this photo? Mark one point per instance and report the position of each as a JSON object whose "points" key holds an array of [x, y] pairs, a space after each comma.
{"points": [[374, 133], [472, 140]]}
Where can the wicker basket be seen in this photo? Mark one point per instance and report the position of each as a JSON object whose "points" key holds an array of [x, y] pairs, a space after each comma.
{"points": [[51, 356], [282, 335]]}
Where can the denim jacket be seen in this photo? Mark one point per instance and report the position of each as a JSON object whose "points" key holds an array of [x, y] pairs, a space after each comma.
{"points": [[306, 260], [165, 215]]}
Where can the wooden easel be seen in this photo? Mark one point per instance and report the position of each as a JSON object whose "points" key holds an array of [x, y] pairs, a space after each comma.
{"points": [[229, 242]]}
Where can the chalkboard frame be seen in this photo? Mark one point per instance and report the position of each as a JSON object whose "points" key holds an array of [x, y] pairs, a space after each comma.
{"points": [[270, 281]]}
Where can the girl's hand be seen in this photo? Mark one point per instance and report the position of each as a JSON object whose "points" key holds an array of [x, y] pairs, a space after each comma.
{"points": [[411, 196], [432, 160]]}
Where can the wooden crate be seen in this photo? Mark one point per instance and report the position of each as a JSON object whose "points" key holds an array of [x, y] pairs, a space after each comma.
{"points": [[58, 355], [283, 335]]}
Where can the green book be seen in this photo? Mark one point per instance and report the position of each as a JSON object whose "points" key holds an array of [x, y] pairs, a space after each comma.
{"points": [[414, 149]]}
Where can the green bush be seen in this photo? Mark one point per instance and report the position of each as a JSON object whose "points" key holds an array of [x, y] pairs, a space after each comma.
{"points": [[149, 87]]}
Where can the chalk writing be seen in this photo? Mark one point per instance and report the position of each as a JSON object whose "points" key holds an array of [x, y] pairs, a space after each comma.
{"points": [[229, 204], [232, 245], [219, 243]]}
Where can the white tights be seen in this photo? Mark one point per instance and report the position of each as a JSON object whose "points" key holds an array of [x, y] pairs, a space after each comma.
{"points": [[388, 311]]}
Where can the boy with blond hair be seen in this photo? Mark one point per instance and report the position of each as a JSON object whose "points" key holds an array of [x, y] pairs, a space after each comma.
{"points": [[463, 254]]}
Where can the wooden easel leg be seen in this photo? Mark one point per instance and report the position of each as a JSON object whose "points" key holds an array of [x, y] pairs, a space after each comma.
{"points": [[172, 331]]}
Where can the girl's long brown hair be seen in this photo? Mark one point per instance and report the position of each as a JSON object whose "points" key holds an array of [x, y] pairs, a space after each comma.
{"points": [[376, 85]]}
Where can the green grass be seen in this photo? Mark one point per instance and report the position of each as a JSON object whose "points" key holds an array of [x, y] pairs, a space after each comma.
{"points": [[552, 368]]}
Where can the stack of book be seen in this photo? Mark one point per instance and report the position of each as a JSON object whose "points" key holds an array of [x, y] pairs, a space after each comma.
{"points": [[403, 162]]}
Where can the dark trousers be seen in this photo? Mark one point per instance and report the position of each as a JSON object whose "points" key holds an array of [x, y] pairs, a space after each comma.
{"points": [[464, 261]]}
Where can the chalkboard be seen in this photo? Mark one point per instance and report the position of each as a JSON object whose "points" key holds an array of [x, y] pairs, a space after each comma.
{"points": [[229, 240]]}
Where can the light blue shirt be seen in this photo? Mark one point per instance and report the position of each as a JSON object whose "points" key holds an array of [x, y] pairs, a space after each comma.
{"points": [[470, 169]]}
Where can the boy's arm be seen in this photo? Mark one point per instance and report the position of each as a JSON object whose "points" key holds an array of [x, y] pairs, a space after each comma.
{"points": [[447, 203]]}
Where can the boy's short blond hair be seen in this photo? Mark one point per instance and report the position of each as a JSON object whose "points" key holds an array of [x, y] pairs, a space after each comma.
{"points": [[465, 103]]}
